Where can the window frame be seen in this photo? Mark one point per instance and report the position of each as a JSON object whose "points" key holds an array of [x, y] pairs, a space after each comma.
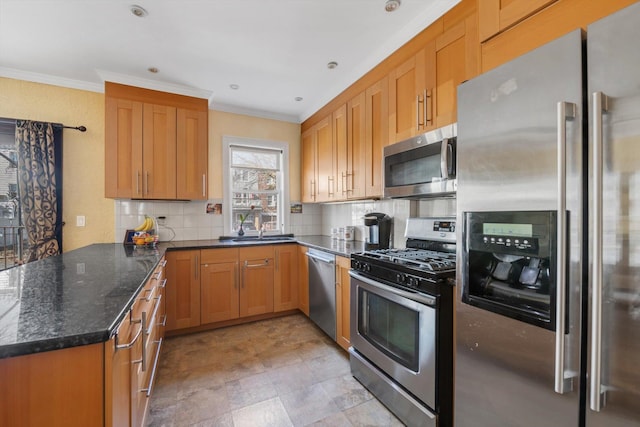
{"points": [[227, 214]]}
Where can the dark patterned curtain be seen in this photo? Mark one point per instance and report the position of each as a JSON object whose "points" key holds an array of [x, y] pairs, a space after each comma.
{"points": [[38, 189]]}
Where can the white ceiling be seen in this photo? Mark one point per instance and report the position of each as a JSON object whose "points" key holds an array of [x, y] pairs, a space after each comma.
{"points": [[275, 50]]}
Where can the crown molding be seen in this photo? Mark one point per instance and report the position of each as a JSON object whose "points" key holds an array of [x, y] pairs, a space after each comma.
{"points": [[128, 80], [227, 108], [48, 79]]}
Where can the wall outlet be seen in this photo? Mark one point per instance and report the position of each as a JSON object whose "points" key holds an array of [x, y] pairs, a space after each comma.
{"points": [[80, 221], [162, 220]]}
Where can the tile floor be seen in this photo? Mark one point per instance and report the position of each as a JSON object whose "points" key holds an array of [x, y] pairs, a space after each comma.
{"points": [[277, 372]]}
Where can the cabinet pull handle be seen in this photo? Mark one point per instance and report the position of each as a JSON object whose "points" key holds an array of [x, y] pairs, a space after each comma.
{"points": [[155, 313], [235, 276], [129, 344], [350, 187], [143, 360], [164, 263], [264, 264], [149, 293], [197, 265], [147, 184], [344, 175], [164, 321], [242, 273], [277, 258], [164, 284], [137, 182], [313, 189], [204, 185], [153, 371], [329, 182], [428, 118], [418, 102]]}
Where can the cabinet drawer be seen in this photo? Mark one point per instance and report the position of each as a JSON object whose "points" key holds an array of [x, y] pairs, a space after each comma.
{"points": [[213, 256], [256, 252]]}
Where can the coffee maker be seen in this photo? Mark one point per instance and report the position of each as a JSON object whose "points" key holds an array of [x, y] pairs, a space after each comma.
{"points": [[378, 230]]}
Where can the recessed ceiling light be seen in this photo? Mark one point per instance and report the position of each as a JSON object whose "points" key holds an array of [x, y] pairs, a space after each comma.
{"points": [[138, 11], [234, 86], [331, 65], [391, 5], [153, 70], [298, 98]]}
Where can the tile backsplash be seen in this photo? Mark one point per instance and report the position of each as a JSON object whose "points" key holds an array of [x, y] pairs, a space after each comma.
{"points": [[189, 220]]}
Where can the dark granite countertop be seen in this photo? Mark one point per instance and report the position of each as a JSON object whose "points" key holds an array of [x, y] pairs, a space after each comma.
{"points": [[79, 297], [72, 299]]}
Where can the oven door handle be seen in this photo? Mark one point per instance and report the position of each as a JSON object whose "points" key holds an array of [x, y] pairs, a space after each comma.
{"points": [[413, 296]]}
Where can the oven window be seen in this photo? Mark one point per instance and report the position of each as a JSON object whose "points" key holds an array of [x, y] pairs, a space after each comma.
{"points": [[390, 327]]}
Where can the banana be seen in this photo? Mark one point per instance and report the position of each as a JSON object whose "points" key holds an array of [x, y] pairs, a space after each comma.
{"points": [[146, 225]]}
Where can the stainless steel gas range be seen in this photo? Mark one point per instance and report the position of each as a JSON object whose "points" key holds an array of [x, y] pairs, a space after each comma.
{"points": [[402, 323]]}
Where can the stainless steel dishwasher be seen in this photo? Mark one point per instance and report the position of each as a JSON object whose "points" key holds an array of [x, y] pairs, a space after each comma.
{"points": [[322, 290]]}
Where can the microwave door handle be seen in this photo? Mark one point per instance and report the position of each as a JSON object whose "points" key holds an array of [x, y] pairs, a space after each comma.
{"points": [[445, 151]]}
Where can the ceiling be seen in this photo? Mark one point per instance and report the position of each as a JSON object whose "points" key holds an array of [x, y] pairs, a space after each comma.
{"points": [[273, 50]]}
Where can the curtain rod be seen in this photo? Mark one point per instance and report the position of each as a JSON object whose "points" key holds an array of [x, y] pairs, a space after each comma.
{"points": [[60, 125]]}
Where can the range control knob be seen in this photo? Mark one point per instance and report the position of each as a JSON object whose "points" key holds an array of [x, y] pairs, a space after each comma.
{"points": [[366, 267], [413, 282], [400, 278], [356, 265]]}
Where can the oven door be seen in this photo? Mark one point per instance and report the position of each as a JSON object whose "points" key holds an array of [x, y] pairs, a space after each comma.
{"points": [[396, 330]]}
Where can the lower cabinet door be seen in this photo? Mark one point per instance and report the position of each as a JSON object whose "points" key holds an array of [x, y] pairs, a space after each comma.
{"points": [[256, 290], [219, 292]]}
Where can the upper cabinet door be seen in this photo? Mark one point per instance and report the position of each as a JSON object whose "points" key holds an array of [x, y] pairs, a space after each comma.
{"points": [[496, 16], [406, 93], [159, 149], [308, 187], [123, 148], [192, 154], [376, 135], [326, 179], [353, 182], [452, 58]]}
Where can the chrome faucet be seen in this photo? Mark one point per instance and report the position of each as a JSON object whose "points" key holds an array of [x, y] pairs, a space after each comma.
{"points": [[261, 232]]}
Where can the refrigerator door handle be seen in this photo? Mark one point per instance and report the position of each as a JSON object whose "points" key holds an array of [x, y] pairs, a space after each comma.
{"points": [[563, 380], [596, 390]]}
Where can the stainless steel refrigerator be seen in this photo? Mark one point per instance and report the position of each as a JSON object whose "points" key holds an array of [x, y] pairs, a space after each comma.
{"points": [[548, 205]]}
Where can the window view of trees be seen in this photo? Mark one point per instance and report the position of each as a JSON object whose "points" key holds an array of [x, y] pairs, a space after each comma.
{"points": [[255, 188]]}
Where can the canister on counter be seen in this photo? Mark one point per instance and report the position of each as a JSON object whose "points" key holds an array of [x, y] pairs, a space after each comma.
{"points": [[349, 233]]}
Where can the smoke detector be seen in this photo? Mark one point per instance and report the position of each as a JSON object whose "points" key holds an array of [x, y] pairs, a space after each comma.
{"points": [[138, 11]]}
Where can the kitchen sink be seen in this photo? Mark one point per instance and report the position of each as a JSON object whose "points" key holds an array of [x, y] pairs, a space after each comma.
{"points": [[269, 238]]}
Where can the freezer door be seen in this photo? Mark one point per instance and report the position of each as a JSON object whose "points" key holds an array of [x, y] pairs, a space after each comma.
{"points": [[614, 140], [516, 125]]}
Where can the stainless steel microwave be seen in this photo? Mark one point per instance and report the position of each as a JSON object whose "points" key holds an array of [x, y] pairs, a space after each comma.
{"points": [[423, 166]]}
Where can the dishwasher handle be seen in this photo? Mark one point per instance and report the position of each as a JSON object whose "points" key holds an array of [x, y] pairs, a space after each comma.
{"points": [[321, 258]]}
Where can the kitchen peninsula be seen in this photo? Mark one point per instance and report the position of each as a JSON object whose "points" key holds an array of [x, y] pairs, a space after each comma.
{"points": [[67, 323]]}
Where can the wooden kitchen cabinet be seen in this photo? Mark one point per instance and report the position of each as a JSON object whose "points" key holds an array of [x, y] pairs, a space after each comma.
{"points": [[496, 16], [407, 93], [183, 289], [118, 373], [192, 154], [452, 58], [351, 157], [309, 172], [326, 165], [256, 280], [541, 27], [303, 280], [219, 285], [285, 287], [155, 144], [319, 166], [343, 302], [376, 136]]}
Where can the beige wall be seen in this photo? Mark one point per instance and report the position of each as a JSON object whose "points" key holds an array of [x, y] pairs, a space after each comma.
{"points": [[229, 124], [83, 153]]}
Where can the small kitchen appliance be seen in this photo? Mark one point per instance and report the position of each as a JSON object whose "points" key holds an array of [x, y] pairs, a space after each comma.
{"points": [[402, 322], [378, 230]]}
